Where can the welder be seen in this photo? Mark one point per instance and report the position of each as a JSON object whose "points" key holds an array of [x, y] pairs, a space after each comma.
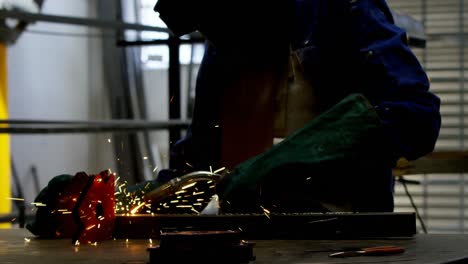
{"points": [[272, 67]]}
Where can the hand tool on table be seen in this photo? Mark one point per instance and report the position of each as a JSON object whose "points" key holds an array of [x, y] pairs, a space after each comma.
{"points": [[371, 251]]}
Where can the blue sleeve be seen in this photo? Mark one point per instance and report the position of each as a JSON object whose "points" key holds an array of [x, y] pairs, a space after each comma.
{"points": [[397, 84]]}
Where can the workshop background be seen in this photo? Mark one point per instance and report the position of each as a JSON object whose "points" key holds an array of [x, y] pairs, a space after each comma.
{"points": [[77, 73]]}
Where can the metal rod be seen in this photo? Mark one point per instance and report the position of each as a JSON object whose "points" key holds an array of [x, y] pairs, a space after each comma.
{"points": [[122, 128], [125, 122], [174, 88], [157, 42], [98, 23]]}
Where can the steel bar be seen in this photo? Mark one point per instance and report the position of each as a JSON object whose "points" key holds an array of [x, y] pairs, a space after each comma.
{"points": [[92, 127], [98, 23]]}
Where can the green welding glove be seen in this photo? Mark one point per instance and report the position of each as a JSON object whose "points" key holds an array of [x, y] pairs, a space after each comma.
{"points": [[329, 163]]}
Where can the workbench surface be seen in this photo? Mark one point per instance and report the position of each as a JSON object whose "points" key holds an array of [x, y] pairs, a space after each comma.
{"points": [[18, 246]]}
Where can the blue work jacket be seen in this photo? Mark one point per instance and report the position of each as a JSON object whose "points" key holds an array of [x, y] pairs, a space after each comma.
{"points": [[348, 46]]}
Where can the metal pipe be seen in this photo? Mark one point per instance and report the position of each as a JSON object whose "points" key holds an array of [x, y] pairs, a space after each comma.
{"points": [[98, 128], [98, 23]]}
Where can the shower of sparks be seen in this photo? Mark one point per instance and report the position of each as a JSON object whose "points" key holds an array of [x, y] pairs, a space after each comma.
{"points": [[134, 210], [189, 185], [220, 170], [15, 199]]}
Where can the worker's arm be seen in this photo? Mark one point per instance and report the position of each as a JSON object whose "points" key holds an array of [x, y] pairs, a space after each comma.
{"points": [[395, 82]]}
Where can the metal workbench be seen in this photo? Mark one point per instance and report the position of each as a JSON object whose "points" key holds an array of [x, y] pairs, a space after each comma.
{"points": [[17, 246]]}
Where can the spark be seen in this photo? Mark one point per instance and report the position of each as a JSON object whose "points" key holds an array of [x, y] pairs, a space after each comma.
{"points": [[212, 186], [27, 239], [126, 240], [172, 99], [184, 206], [62, 210], [193, 209], [308, 178], [179, 192], [216, 126], [94, 244], [189, 185], [66, 212], [211, 169], [145, 158], [219, 170], [155, 169], [188, 164], [240, 229], [14, 219], [174, 201], [99, 226], [109, 140], [198, 193], [198, 204], [266, 212], [134, 210], [15, 199], [39, 204], [150, 241], [90, 227], [77, 243]]}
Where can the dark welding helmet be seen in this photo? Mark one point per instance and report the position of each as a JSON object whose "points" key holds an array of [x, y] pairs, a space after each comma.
{"points": [[242, 25], [181, 16]]}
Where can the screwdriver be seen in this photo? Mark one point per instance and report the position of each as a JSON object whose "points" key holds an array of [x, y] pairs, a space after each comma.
{"points": [[372, 251]]}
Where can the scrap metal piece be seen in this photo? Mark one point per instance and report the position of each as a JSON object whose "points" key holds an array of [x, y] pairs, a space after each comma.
{"points": [[202, 247]]}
